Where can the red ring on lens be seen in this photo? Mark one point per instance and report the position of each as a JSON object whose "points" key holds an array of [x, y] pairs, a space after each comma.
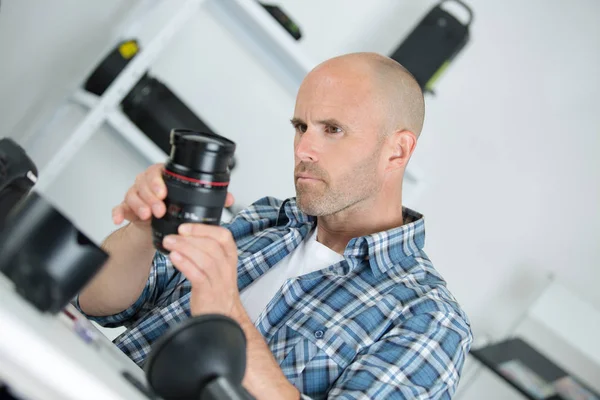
{"points": [[188, 179]]}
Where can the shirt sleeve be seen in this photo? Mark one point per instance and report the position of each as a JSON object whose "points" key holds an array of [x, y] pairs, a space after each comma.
{"points": [[161, 283], [421, 359], [164, 278]]}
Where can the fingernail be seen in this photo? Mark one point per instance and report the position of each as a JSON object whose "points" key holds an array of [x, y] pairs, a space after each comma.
{"points": [[156, 208], [157, 189], [143, 212], [175, 256], [185, 229], [169, 240]]}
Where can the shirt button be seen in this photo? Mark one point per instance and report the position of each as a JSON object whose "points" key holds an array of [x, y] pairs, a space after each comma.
{"points": [[319, 334]]}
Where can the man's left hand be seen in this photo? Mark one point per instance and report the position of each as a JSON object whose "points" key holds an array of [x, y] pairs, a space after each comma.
{"points": [[207, 256]]}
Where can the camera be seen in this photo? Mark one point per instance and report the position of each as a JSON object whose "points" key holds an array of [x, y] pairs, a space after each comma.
{"points": [[197, 177], [18, 174], [48, 259]]}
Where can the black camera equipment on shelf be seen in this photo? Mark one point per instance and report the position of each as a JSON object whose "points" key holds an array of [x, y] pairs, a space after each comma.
{"points": [[18, 174], [283, 19], [150, 105], [433, 43]]}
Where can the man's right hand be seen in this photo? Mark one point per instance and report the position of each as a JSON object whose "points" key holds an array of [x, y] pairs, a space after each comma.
{"points": [[122, 280], [146, 198]]}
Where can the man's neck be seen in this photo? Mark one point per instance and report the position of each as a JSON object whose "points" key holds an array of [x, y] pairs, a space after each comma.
{"points": [[361, 219]]}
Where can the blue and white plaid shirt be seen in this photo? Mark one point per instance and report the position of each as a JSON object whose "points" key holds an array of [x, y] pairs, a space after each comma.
{"points": [[380, 324]]}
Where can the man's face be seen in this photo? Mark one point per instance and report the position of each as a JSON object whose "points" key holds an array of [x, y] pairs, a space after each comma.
{"points": [[337, 147]]}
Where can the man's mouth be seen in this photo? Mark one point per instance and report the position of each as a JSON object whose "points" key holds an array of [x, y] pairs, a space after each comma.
{"points": [[305, 177]]}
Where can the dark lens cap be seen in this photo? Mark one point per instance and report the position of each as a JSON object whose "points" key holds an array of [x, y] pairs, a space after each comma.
{"points": [[202, 141], [200, 152]]}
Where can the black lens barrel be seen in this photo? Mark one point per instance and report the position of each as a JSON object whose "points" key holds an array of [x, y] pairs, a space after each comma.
{"points": [[197, 177], [201, 152]]}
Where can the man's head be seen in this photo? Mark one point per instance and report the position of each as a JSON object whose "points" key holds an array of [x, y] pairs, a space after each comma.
{"points": [[357, 119]]}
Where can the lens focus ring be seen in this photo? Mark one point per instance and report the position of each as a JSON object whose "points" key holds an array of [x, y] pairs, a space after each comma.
{"points": [[178, 193]]}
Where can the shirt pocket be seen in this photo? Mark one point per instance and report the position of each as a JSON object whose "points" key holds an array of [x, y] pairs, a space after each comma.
{"points": [[313, 353]]}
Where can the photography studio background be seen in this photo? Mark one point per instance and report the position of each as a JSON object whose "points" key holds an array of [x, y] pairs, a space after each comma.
{"points": [[507, 162]]}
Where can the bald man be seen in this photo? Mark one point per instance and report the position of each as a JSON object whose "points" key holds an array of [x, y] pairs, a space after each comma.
{"points": [[332, 288]]}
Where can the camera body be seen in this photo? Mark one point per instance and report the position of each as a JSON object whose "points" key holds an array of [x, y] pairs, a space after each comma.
{"points": [[18, 174]]}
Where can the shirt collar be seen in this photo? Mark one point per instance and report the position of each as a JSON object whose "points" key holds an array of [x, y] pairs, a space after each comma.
{"points": [[290, 213], [389, 249], [384, 250]]}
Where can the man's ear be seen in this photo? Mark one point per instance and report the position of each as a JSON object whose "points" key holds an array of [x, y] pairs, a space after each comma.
{"points": [[402, 145]]}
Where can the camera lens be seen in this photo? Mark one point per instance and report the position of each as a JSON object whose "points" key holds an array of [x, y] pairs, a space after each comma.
{"points": [[197, 176]]}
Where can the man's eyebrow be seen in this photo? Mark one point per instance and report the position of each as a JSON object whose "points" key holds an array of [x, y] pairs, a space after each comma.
{"points": [[331, 121], [328, 121]]}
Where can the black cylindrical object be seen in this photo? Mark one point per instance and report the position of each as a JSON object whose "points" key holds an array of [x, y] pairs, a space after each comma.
{"points": [[18, 174], [155, 109], [46, 257], [197, 176], [151, 105], [114, 63], [202, 358], [433, 44]]}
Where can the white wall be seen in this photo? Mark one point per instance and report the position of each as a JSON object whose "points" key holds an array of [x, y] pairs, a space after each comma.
{"points": [[47, 49], [513, 137], [509, 150], [510, 145]]}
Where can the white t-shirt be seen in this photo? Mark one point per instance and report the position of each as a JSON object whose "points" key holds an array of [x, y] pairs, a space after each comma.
{"points": [[308, 257]]}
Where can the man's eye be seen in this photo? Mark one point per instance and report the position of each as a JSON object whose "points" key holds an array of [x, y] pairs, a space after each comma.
{"points": [[333, 129], [300, 128]]}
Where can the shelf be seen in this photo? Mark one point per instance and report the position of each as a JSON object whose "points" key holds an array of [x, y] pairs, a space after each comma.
{"points": [[529, 371], [246, 19], [131, 133], [251, 25], [262, 36], [115, 93], [124, 127]]}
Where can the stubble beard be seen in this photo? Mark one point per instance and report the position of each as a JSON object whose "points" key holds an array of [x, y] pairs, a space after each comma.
{"points": [[324, 198]]}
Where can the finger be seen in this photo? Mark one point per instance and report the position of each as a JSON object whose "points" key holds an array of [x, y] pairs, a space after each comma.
{"points": [[154, 179], [137, 205], [123, 212], [229, 200], [150, 199], [206, 254], [195, 248], [129, 214], [189, 269], [222, 235], [118, 214]]}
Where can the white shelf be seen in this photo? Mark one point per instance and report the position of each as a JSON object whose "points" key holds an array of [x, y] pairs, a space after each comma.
{"points": [[570, 317], [115, 93], [262, 36], [124, 127], [251, 25], [247, 20]]}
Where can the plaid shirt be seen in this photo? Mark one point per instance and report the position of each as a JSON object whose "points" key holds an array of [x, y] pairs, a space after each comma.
{"points": [[380, 324]]}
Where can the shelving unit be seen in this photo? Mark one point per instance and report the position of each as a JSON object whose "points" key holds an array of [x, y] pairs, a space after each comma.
{"points": [[246, 19], [123, 126], [115, 93], [251, 25]]}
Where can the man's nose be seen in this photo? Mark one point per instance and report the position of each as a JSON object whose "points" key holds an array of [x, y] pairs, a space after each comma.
{"points": [[307, 147]]}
